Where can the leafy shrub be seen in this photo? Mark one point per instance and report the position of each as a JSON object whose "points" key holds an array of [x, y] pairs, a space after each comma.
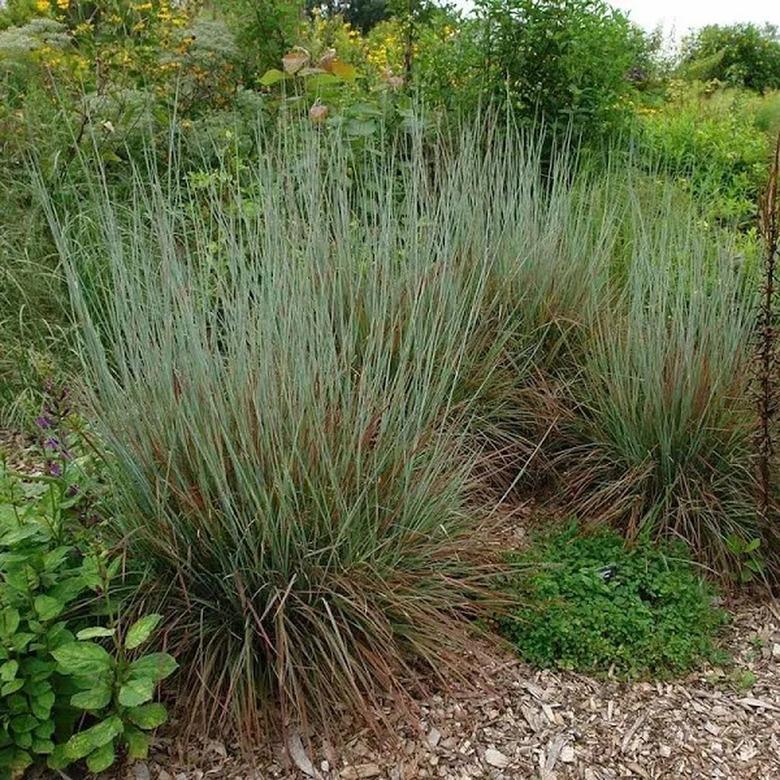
{"points": [[64, 697], [565, 62], [594, 604], [744, 55]]}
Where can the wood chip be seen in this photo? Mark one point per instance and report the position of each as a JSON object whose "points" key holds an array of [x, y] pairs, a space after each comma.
{"points": [[298, 755], [360, 772], [496, 758]]}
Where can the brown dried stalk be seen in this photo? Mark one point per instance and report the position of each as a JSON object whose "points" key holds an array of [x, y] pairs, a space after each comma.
{"points": [[767, 402]]}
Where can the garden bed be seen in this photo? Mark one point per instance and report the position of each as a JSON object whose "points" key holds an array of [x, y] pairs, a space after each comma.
{"points": [[517, 721]]}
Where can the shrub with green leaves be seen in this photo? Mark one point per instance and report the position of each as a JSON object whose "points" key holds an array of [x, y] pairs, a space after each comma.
{"points": [[63, 696], [565, 62], [746, 55], [596, 604]]}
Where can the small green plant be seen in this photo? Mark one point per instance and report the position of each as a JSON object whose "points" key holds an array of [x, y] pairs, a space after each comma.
{"points": [[63, 696], [597, 605], [750, 561], [115, 691]]}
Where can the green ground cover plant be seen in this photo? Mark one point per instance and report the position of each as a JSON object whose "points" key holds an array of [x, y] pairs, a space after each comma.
{"points": [[714, 142], [595, 604]]}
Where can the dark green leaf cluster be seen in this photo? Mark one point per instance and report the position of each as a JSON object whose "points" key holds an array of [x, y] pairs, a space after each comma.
{"points": [[63, 696], [568, 62], [596, 604]]}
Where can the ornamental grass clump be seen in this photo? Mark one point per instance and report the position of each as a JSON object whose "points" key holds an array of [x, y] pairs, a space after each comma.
{"points": [[276, 360], [665, 414]]}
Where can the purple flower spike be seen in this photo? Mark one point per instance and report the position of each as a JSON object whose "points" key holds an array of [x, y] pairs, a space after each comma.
{"points": [[55, 470], [72, 491], [52, 443], [44, 422]]}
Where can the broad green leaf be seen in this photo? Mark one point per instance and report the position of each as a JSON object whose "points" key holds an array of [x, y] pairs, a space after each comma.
{"points": [[82, 658], [136, 691], [358, 128], [95, 632], [155, 666], [148, 716], [41, 705], [37, 671], [102, 758], [6, 758], [23, 723], [58, 635], [137, 743], [8, 670], [9, 621], [47, 607], [141, 630], [67, 590], [21, 640], [54, 558], [21, 534], [322, 81], [271, 77], [82, 744], [42, 746], [21, 578], [44, 730], [58, 758], [11, 687], [20, 761], [92, 699], [16, 704]]}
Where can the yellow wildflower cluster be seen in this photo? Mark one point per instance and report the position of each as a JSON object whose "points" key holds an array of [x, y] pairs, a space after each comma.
{"points": [[384, 46]]}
